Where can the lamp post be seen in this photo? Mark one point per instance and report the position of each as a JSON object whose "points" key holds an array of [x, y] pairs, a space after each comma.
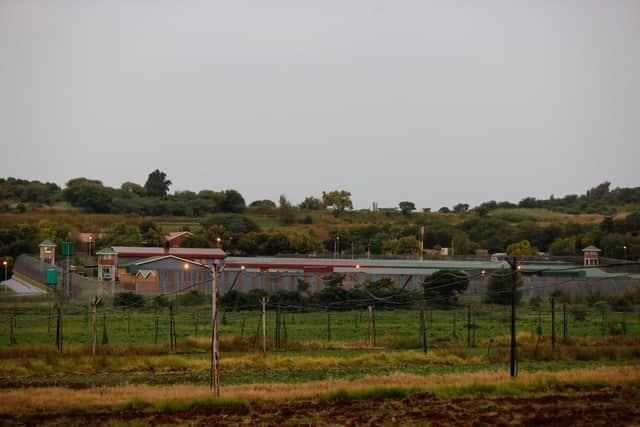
{"points": [[625, 253], [90, 241], [6, 265], [218, 239], [336, 247]]}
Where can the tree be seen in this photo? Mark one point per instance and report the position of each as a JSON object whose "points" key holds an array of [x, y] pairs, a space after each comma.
{"points": [[565, 246], [599, 191], [89, 195], [128, 300], [276, 243], [311, 203], [57, 232], [607, 225], [196, 241], [461, 208], [407, 207], [444, 209], [522, 248], [286, 211], [132, 188], [157, 185], [462, 243], [235, 223], [304, 243], [407, 245], [443, 287], [263, 206], [499, 287], [333, 291], [337, 200], [632, 222], [232, 202], [120, 234], [19, 239], [151, 233]]}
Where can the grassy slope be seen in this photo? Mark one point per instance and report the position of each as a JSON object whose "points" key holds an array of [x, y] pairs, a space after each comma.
{"points": [[323, 222]]}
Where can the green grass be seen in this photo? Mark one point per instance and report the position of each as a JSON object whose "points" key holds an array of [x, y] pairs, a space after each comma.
{"points": [[509, 389], [517, 389], [521, 214], [394, 329]]}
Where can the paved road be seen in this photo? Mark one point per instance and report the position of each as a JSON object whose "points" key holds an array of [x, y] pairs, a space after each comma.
{"points": [[22, 288]]}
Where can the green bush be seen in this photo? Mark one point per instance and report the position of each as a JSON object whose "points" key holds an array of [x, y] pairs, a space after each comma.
{"points": [[161, 301], [499, 288], [128, 299], [193, 297], [579, 315]]}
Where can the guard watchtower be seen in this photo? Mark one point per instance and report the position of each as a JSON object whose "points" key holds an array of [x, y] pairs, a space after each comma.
{"points": [[591, 256], [47, 252], [107, 266]]}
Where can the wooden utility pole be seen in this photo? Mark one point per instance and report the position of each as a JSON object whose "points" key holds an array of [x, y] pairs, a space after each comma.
{"points": [[423, 329], [564, 321], [469, 326], [264, 301], [369, 322], [94, 329], [514, 276], [553, 323], [59, 329], [215, 374]]}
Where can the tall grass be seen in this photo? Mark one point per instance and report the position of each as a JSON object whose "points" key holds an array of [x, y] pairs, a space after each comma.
{"points": [[56, 399]]}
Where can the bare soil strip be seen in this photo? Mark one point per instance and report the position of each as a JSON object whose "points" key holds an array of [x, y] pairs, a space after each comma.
{"points": [[618, 406]]}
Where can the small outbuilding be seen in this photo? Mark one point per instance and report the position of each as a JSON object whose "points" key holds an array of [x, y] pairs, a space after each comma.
{"points": [[591, 256]]}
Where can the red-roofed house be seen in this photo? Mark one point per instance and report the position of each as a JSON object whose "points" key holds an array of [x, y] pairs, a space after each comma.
{"points": [[175, 238]]}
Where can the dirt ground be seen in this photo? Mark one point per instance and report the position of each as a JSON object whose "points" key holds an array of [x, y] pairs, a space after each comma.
{"points": [[611, 407]]}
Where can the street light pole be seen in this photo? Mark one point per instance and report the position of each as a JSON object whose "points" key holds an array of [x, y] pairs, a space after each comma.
{"points": [[625, 253]]}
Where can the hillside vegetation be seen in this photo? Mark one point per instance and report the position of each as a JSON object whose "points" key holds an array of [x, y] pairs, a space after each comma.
{"points": [[134, 214]]}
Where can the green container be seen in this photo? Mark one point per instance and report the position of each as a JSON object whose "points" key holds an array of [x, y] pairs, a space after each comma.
{"points": [[52, 277], [67, 248]]}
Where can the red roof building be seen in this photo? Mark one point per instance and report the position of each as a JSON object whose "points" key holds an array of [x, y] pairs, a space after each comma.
{"points": [[175, 238], [128, 254]]}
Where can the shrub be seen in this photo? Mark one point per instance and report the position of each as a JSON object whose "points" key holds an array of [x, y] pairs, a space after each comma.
{"points": [[161, 301], [535, 303], [193, 297], [579, 315], [128, 299], [499, 288], [560, 296]]}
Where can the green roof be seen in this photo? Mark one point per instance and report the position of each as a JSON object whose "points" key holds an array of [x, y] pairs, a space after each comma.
{"points": [[47, 243], [106, 251]]}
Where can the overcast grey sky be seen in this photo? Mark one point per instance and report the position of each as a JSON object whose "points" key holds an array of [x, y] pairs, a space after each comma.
{"points": [[437, 102]]}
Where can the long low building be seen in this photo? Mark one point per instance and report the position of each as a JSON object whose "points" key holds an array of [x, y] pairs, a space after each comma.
{"points": [[162, 270]]}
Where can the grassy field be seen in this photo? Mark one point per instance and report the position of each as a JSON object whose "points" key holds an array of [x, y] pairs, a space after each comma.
{"points": [[35, 324], [325, 370]]}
